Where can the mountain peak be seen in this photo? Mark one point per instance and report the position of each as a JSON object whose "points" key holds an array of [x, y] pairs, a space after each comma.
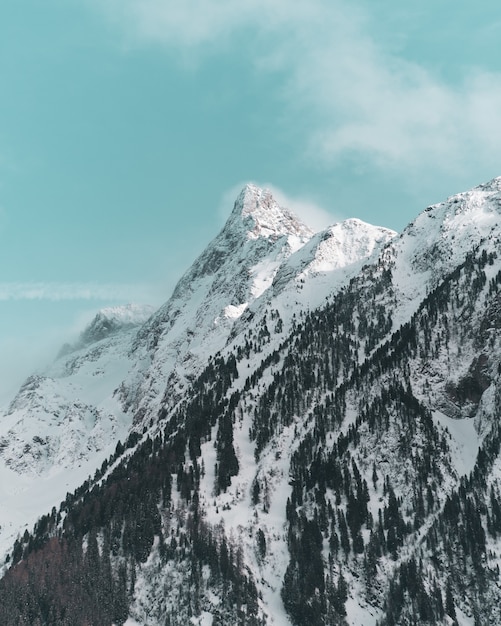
{"points": [[112, 319], [443, 234], [109, 321], [356, 225], [263, 216], [493, 185], [294, 394]]}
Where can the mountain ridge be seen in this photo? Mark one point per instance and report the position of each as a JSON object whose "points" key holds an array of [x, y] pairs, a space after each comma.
{"points": [[98, 384], [330, 455]]}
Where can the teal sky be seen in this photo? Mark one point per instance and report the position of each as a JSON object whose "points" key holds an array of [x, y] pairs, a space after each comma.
{"points": [[128, 126]]}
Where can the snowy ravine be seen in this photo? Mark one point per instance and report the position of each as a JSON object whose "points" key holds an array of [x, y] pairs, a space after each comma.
{"points": [[310, 435]]}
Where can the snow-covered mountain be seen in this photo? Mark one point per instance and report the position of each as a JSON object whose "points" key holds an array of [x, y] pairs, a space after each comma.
{"points": [[65, 421], [64, 415], [310, 435], [262, 250], [234, 270]]}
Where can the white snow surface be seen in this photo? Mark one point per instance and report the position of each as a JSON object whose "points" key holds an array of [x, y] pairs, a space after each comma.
{"points": [[66, 420], [328, 262], [262, 250], [60, 427], [344, 244], [465, 441], [439, 240], [129, 314], [64, 423]]}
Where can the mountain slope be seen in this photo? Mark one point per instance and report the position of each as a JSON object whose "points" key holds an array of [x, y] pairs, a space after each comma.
{"points": [[259, 254], [234, 270], [315, 441], [71, 416], [64, 422]]}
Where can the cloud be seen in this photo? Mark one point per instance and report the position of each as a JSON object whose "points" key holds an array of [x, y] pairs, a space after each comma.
{"points": [[23, 356], [192, 23], [350, 94], [70, 291], [32, 334], [313, 215], [399, 116]]}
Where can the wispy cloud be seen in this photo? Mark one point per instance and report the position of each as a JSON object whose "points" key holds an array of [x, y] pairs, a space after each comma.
{"points": [[74, 291], [350, 95], [189, 24]]}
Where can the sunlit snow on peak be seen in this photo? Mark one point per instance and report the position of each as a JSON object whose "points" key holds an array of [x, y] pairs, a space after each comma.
{"points": [[233, 312], [264, 217]]}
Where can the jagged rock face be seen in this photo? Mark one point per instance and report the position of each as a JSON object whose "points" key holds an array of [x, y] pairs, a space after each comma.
{"points": [[261, 217], [317, 431], [111, 320]]}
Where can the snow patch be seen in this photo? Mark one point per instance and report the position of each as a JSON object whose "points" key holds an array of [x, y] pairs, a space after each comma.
{"points": [[234, 312], [465, 441]]}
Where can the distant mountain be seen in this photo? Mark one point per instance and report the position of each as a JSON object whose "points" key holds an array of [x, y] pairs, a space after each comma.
{"points": [[65, 422], [112, 320], [309, 435]]}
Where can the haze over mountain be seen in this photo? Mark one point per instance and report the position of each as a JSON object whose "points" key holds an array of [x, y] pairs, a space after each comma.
{"points": [[306, 432]]}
